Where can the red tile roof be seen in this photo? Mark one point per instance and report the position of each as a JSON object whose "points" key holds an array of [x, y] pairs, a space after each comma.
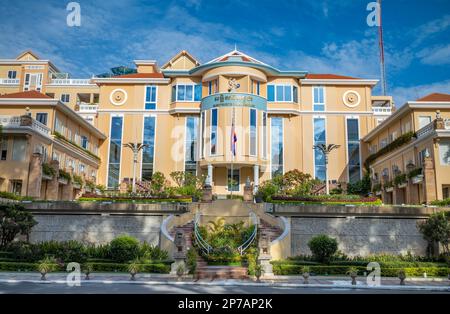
{"points": [[435, 97], [329, 77], [141, 75], [29, 94]]}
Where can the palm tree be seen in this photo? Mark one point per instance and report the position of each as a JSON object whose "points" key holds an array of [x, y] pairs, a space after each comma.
{"points": [[136, 148], [326, 150]]}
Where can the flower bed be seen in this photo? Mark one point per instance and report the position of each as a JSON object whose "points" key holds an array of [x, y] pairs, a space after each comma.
{"points": [[328, 199], [123, 199]]}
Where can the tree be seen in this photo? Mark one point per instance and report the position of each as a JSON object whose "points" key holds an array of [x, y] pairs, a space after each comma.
{"points": [[135, 148], [326, 150], [14, 220], [323, 247], [437, 229]]}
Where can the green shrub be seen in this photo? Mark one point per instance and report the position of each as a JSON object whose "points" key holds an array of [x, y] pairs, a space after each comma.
{"points": [[71, 251], [48, 170], [64, 175], [191, 260], [437, 229], [266, 190], [124, 248], [78, 179], [14, 221], [323, 247], [153, 253], [361, 187]]}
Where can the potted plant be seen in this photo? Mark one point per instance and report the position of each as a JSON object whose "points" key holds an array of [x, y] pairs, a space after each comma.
{"points": [[87, 270], [46, 266], [353, 273], [133, 268], [258, 272], [180, 271], [305, 274], [402, 276]]}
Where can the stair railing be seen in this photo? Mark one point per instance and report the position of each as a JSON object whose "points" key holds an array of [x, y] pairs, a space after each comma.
{"points": [[249, 241], [198, 237]]}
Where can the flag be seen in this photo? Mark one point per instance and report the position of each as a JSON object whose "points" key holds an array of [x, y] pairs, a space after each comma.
{"points": [[233, 140]]}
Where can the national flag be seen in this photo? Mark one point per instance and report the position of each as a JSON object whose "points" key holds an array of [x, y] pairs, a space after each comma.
{"points": [[233, 140]]}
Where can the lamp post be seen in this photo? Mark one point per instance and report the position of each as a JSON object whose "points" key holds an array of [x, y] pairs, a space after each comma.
{"points": [[326, 150], [135, 148]]}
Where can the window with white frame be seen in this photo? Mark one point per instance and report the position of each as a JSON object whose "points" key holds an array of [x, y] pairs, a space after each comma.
{"points": [[12, 74], [444, 152], [280, 93], [187, 92], [424, 121], [65, 98], [213, 136], [253, 132], [213, 87], [150, 97], [318, 98], [84, 142]]}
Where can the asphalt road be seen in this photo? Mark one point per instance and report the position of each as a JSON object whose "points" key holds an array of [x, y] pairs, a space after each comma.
{"points": [[101, 288]]}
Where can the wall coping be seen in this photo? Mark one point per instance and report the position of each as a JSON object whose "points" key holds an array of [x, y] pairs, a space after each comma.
{"points": [[291, 210], [67, 207]]}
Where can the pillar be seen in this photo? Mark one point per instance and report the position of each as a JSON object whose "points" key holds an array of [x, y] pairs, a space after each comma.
{"points": [[67, 190], [35, 176], [53, 185], [209, 179], [255, 178], [429, 180]]}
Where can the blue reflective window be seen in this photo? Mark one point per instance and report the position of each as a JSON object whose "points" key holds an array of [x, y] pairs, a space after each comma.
{"points": [[319, 98], [214, 117], [190, 164], [319, 158], [253, 133], [188, 92], [276, 130], [115, 149], [150, 97], [270, 93], [198, 92], [354, 165], [149, 151]]}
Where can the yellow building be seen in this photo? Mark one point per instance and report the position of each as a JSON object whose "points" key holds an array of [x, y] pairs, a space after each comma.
{"points": [[189, 114], [410, 161]]}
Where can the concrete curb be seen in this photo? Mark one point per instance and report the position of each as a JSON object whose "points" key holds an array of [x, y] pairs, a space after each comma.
{"points": [[236, 283]]}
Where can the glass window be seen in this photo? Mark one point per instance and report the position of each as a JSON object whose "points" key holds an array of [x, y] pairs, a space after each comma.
{"points": [[276, 129], [65, 98], [319, 158], [148, 152], [42, 117], [444, 152], [4, 148], [19, 149], [198, 92], [115, 149], [319, 99], [233, 181], [84, 142], [174, 93], [279, 93], [424, 121], [16, 187], [295, 92], [253, 133], [214, 116], [354, 166], [270, 93], [189, 92], [150, 97], [202, 148], [12, 74], [264, 145], [190, 164], [213, 87]]}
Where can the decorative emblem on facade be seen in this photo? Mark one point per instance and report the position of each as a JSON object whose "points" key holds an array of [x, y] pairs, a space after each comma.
{"points": [[351, 98], [233, 85], [118, 97]]}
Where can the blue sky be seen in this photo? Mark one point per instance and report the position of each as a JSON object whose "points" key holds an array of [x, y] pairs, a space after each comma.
{"points": [[329, 36]]}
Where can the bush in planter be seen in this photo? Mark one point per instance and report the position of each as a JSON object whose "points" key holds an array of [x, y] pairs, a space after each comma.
{"points": [[124, 248], [400, 179], [323, 248], [78, 179], [64, 175], [48, 170]]}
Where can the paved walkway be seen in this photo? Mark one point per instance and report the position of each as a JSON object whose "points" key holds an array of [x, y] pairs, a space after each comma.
{"points": [[430, 284]]}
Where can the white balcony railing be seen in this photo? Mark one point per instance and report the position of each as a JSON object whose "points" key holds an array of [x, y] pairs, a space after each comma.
{"points": [[425, 130], [70, 82], [7, 81], [382, 111], [17, 122], [87, 108]]}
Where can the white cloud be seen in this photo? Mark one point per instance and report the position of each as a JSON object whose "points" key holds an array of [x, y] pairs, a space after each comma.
{"points": [[403, 94], [427, 30], [438, 55]]}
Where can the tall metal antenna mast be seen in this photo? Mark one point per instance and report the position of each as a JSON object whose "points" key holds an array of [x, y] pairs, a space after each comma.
{"points": [[381, 46]]}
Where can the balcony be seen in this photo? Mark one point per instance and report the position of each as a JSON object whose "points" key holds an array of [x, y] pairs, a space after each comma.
{"points": [[87, 107], [70, 82], [382, 111], [24, 123], [7, 81]]}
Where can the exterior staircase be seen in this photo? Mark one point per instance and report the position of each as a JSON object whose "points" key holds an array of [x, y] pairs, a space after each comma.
{"points": [[271, 232]]}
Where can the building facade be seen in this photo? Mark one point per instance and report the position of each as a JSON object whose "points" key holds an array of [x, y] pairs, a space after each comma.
{"points": [[233, 117], [409, 156]]}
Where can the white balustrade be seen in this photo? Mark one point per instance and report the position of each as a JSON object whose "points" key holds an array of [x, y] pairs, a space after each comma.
{"points": [[70, 82], [7, 81], [384, 111], [15, 122]]}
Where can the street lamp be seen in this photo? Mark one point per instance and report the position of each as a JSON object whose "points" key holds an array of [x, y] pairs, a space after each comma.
{"points": [[326, 150], [135, 148]]}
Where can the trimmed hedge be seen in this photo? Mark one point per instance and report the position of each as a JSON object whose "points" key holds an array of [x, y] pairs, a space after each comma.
{"points": [[135, 200], [159, 268], [286, 269]]}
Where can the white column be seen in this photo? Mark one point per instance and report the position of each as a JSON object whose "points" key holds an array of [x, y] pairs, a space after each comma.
{"points": [[209, 179], [255, 178]]}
